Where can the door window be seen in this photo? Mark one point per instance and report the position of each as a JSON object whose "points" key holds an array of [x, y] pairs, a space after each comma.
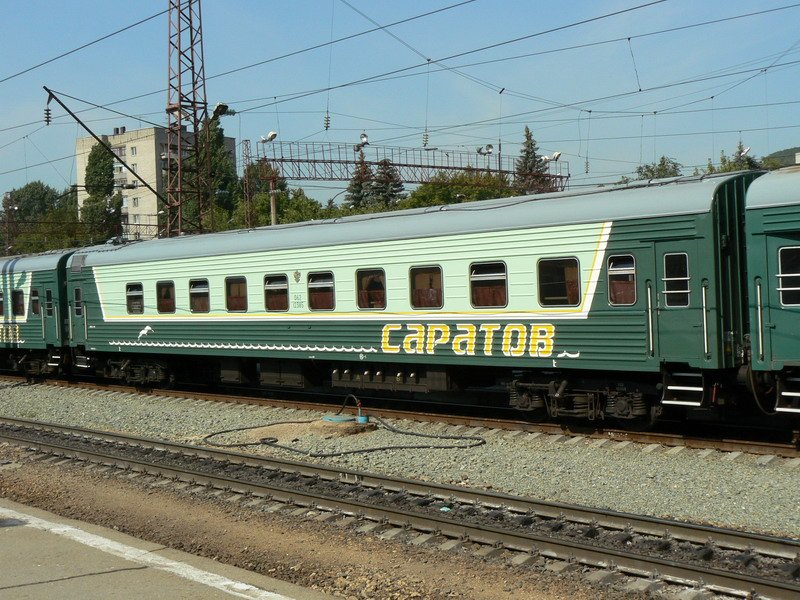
{"points": [[676, 279], [789, 276]]}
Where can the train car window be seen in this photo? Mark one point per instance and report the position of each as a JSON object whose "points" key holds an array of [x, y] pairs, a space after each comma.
{"points": [[426, 287], [789, 276], [371, 289], [18, 303], [320, 291], [559, 282], [621, 280], [2, 307], [77, 295], [36, 308], [134, 298], [276, 293], [676, 279], [48, 303], [199, 301], [487, 282], [165, 296], [236, 294]]}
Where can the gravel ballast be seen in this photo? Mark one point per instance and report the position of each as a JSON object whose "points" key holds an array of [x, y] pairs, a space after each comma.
{"points": [[687, 485]]}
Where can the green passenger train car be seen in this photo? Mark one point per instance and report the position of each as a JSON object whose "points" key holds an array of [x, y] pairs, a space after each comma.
{"points": [[773, 275], [33, 309], [606, 302]]}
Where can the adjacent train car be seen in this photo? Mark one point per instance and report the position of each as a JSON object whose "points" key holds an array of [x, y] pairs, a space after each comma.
{"points": [[609, 302], [773, 274], [33, 308]]}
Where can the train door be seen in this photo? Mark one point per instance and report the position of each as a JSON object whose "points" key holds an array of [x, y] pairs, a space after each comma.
{"points": [[77, 316], [680, 313], [50, 316], [779, 314]]}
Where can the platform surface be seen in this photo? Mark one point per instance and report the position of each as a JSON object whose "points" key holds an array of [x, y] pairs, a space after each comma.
{"points": [[44, 556]]}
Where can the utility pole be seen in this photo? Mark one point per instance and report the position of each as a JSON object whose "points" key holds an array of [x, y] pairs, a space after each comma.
{"points": [[188, 195]]}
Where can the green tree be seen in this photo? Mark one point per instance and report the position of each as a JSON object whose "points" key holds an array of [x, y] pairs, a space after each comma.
{"points": [[101, 212], [665, 167], [739, 161], [387, 187], [530, 169], [298, 207], [359, 189], [453, 187], [99, 180]]}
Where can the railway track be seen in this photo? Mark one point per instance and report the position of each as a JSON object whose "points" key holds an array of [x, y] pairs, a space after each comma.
{"points": [[614, 544], [788, 447]]}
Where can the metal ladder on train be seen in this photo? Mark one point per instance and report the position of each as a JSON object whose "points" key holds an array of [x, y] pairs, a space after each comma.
{"points": [[684, 389], [787, 395]]}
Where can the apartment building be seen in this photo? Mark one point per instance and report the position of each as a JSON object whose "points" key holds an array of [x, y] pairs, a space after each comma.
{"points": [[144, 150]]}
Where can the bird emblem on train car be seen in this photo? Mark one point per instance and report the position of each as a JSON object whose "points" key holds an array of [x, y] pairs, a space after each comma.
{"points": [[147, 329]]}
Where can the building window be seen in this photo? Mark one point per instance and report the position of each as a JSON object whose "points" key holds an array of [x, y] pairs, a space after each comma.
{"points": [[78, 297], [199, 301], [559, 282], [487, 283], [621, 280], [135, 202], [789, 276], [371, 286], [236, 294], [35, 306], [48, 303], [134, 297], [426, 287], [676, 279], [133, 150], [136, 219], [276, 293], [165, 296], [133, 167], [320, 291], [18, 303]]}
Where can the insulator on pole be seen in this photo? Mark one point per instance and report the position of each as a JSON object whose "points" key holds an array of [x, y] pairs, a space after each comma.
{"points": [[48, 115], [425, 138], [327, 121]]}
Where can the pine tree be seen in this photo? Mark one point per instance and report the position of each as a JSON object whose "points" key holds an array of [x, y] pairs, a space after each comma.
{"points": [[359, 189], [387, 187], [530, 169]]}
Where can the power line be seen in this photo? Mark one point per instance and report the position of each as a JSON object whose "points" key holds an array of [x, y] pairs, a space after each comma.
{"points": [[86, 45]]}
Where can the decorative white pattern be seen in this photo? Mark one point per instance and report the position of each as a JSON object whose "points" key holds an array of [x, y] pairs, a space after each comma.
{"points": [[217, 346]]}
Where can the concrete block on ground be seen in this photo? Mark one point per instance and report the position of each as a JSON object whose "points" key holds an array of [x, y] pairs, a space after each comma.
{"points": [[676, 450], [392, 533], [766, 460], [794, 463], [300, 512], [650, 448], [183, 485], [574, 440], [601, 442], [620, 445], [556, 438], [489, 552], [515, 433], [521, 559], [325, 517], [274, 507], [562, 566], [369, 527], [644, 586], [694, 594], [602, 577], [422, 538], [706, 453], [731, 456], [452, 546], [255, 502]]}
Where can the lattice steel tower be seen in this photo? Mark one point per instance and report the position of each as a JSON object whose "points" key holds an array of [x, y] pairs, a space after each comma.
{"points": [[187, 156]]}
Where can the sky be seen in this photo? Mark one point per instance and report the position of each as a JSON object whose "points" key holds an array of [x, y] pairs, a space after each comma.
{"points": [[611, 85]]}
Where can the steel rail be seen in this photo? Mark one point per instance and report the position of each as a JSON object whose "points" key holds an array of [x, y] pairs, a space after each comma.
{"points": [[564, 549]]}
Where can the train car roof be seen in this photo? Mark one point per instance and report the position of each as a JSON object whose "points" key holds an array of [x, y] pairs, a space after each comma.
{"points": [[776, 188], [656, 198], [44, 261]]}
